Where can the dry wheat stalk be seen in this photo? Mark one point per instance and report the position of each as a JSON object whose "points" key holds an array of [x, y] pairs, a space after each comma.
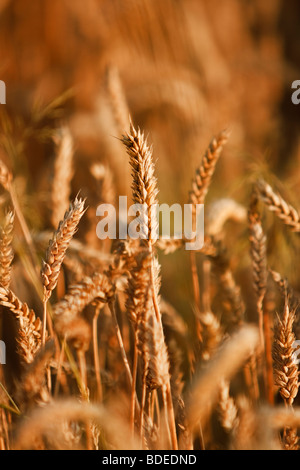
{"points": [[6, 251], [204, 173], [285, 369], [151, 345], [144, 187], [148, 332], [275, 203], [63, 173], [29, 335]]}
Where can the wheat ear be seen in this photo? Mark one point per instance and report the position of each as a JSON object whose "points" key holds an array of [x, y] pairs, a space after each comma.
{"points": [[204, 173], [144, 183], [275, 203], [200, 186], [29, 334], [285, 369], [57, 250], [6, 251]]}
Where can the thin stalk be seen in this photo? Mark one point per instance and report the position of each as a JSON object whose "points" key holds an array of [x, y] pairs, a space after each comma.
{"points": [[96, 357], [133, 386], [59, 367], [24, 226], [120, 340], [168, 386], [195, 279], [269, 361], [44, 322], [171, 417], [143, 401]]}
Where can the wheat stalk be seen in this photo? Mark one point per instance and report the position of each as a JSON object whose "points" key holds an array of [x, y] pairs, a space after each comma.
{"points": [[144, 188], [259, 263]]}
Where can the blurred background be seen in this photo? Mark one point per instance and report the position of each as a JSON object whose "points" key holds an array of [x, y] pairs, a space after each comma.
{"points": [[184, 69]]}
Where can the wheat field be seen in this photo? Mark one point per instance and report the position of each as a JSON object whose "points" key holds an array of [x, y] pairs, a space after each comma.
{"points": [[140, 344]]}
